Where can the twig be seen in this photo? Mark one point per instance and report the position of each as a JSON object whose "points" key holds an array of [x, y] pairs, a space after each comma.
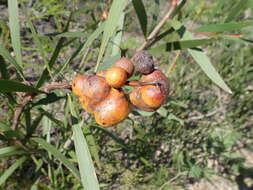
{"points": [[20, 109], [28, 97], [156, 30], [55, 86]]}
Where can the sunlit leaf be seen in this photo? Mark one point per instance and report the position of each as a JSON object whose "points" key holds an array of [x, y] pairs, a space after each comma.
{"points": [[15, 29], [112, 22], [213, 28]]}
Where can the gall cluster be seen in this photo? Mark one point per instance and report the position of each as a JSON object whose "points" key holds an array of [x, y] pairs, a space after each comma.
{"points": [[101, 94]]}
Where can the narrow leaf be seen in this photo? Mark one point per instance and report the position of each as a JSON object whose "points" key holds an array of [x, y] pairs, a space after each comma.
{"points": [[118, 37], [206, 65], [184, 44], [44, 76], [92, 145], [141, 14], [201, 58], [81, 48], [11, 169], [15, 29], [10, 151], [111, 24], [3, 69], [86, 167], [213, 28], [251, 7], [14, 86], [237, 10], [35, 36], [50, 148], [8, 57], [45, 73]]}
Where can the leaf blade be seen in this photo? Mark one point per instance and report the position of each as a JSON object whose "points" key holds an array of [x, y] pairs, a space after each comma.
{"points": [[141, 14], [86, 167], [10, 151], [206, 65], [11, 169], [236, 10], [213, 28], [201, 59], [4, 52], [50, 148], [110, 26], [179, 45], [15, 29], [81, 48]]}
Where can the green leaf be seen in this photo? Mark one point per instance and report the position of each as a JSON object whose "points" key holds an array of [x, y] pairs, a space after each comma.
{"points": [[111, 24], [237, 10], [144, 113], [50, 148], [141, 14], [44, 76], [11, 169], [206, 65], [8, 57], [201, 58], [213, 28], [162, 111], [86, 167], [92, 145], [35, 36], [116, 40], [51, 116], [183, 44], [3, 69], [14, 86], [81, 48], [10, 151], [15, 29], [45, 73], [251, 7]]}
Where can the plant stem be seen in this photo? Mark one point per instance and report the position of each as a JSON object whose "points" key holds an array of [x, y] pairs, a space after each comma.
{"points": [[156, 30]]}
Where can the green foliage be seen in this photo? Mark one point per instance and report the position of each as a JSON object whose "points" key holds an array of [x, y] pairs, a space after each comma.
{"points": [[200, 132]]}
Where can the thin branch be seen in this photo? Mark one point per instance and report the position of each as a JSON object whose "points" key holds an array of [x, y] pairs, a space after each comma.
{"points": [[156, 30], [20, 109], [55, 86], [28, 97]]}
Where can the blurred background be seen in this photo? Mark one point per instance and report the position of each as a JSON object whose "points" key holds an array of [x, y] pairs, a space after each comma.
{"points": [[200, 139]]}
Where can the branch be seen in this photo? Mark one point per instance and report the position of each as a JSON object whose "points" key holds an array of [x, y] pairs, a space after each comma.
{"points": [[20, 109], [156, 30], [55, 86], [28, 97]]}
